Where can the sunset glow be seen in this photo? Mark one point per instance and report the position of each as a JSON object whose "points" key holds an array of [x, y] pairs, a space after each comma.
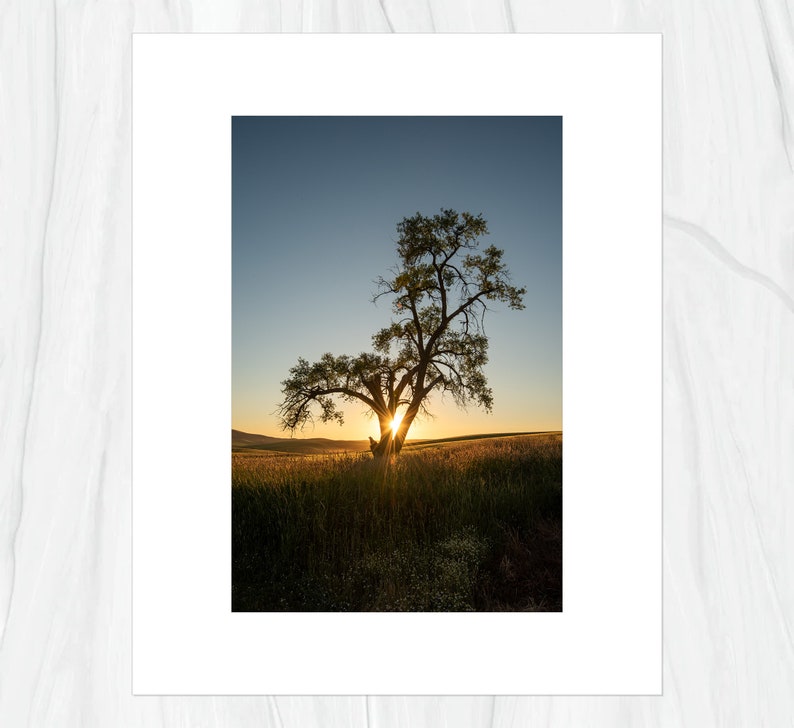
{"points": [[395, 423], [327, 205]]}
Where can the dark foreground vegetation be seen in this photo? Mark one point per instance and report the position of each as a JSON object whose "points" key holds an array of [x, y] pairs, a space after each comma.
{"points": [[464, 526]]}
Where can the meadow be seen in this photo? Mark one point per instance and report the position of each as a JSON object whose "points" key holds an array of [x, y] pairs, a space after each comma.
{"points": [[467, 525]]}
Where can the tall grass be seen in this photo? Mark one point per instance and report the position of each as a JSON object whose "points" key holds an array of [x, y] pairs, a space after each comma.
{"points": [[467, 526]]}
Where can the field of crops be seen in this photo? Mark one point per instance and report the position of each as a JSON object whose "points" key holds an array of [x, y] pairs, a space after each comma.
{"points": [[474, 525]]}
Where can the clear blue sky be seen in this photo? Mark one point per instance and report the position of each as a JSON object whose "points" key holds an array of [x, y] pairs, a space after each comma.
{"points": [[315, 204]]}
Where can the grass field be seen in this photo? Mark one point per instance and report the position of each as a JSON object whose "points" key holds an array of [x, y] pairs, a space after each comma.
{"points": [[463, 525]]}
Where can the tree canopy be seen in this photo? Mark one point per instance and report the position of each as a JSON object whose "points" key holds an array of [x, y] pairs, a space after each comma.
{"points": [[440, 290]]}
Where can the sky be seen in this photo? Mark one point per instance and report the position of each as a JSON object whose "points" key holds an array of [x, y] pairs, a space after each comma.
{"points": [[315, 205]]}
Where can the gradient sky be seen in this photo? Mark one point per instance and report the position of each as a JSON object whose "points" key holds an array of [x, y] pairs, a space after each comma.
{"points": [[315, 204]]}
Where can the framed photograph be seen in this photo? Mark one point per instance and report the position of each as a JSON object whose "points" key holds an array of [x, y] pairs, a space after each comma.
{"points": [[418, 467], [375, 279]]}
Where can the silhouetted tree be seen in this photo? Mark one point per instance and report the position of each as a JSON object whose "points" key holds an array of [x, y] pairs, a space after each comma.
{"points": [[440, 292]]}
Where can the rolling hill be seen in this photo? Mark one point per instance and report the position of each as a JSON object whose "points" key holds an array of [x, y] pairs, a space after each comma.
{"points": [[242, 441], [247, 442]]}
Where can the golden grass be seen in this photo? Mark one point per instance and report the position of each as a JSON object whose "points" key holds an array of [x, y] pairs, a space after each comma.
{"points": [[456, 526]]}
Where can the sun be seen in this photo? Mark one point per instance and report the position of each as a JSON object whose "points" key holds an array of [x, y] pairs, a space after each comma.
{"points": [[395, 423]]}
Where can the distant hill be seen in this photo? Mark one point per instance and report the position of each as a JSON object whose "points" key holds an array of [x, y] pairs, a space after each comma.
{"points": [[419, 444], [246, 441], [304, 446]]}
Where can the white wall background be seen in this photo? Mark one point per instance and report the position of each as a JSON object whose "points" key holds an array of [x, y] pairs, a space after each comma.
{"points": [[65, 376]]}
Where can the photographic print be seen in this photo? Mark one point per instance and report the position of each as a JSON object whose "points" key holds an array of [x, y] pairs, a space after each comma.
{"points": [[365, 282], [396, 359]]}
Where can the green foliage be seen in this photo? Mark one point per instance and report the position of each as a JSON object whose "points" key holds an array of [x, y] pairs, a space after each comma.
{"points": [[440, 290], [449, 528], [441, 577]]}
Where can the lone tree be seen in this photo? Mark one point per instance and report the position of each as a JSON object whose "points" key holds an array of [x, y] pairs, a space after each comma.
{"points": [[441, 289]]}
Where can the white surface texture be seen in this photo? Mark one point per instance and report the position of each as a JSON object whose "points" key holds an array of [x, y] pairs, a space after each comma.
{"points": [[608, 638], [65, 376]]}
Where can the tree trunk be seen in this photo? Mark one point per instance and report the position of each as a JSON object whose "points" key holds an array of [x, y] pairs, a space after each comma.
{"points": [[385, 446], [391, 443]]}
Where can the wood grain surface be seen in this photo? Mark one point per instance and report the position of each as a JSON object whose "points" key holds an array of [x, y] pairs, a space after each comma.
{"points": [[65, 377]]}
